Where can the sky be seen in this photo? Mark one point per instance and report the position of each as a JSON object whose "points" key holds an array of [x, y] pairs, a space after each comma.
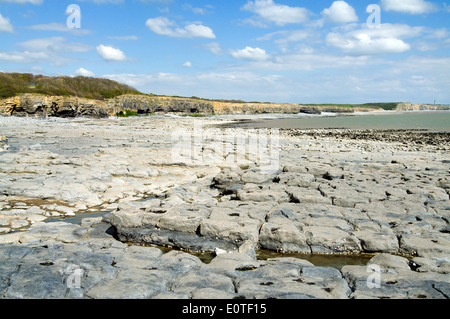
{"points": [[281, 51]]}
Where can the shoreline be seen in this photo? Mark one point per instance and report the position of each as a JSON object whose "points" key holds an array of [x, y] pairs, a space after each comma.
{"points": [[395, 120], [330, 194]]}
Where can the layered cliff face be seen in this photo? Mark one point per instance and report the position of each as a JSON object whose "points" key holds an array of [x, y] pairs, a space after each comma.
{"points": [[421, 107], [144, 104], [59, 106], [150, 104], [62, 106]]}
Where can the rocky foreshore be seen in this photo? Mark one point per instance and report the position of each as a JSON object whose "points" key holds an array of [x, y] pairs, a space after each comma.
{"points": [[85, 204]]}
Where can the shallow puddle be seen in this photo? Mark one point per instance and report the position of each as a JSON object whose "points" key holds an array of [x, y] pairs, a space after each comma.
{"points": [[77, 218], [336, 261], [30, 202], [323, 260]]}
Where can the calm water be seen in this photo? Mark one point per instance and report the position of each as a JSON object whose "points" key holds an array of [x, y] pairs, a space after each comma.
{"points": [[429, 120]]}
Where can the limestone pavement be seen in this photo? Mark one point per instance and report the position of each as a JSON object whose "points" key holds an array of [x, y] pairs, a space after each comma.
{"points": [[327, 196]]}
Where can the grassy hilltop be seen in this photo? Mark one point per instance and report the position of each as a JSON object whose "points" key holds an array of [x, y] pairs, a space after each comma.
{"points": [[12, 84]]}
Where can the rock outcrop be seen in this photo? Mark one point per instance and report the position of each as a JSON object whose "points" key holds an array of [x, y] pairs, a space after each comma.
{"points": [[59, 106], [145, 104], [421, 107], [71, 106]]}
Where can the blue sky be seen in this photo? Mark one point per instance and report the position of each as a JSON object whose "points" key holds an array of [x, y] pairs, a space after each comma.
{"points": [[253, 50]]}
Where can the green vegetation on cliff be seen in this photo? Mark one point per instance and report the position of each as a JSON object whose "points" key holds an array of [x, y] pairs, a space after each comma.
{"points": [[12, 84]]}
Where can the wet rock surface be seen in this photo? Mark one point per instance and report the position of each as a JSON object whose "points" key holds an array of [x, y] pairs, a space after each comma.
{"points": [[327, 195], [405, 137]]}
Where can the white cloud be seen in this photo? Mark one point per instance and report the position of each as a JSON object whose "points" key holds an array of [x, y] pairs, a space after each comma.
{"points": [[5, 25], [109, 53], [104, 1], [187, 64], [270, 12], [44, 50], [23, 1], [24, 57], [378, 41], [164, 26], [309, 61], [127, 37], [284, 38], [340, 12], [365, 45], [249, 53], [213, 47], [287, 35], [199, 31], [84, 72], [59, 27], [408, 6], [197, 10], [350, 79], [215, 85], [54, 44]]}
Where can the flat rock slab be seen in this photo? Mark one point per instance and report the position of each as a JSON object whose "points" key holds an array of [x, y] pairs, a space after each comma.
{"points": [[333, 192]]}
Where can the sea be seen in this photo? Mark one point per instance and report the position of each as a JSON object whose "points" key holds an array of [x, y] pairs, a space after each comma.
{"points": [[380, 120]]}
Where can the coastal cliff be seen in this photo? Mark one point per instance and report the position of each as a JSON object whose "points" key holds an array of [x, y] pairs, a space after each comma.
{"points": [[59, 106], [421, 107], [70, 106], [37, 95]]}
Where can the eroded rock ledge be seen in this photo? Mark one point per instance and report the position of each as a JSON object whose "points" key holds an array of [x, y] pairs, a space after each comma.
{"points": [[66, 106], [307, 209]]}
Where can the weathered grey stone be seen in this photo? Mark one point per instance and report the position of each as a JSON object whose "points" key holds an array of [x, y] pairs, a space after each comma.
{"points": [[256, 177], [201, 279], [59, 231], [236, 230], [426, 244], [329, 279], [284, 237], [177, 263], [437, 264], [377, 242], [331, 197], [296, 179], [330, 239], [307, 196], [181, 220], [229, 263], [212, 293], [130, 287], [36, 281], [262, 195], [386, 261], [327, 221]]}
